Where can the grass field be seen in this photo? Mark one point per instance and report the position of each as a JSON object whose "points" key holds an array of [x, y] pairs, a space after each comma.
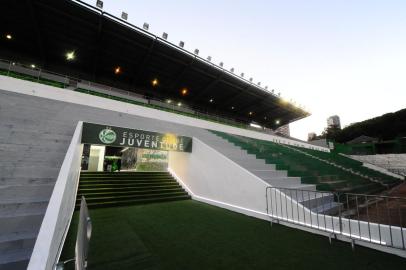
{"points": [[188, 235]]}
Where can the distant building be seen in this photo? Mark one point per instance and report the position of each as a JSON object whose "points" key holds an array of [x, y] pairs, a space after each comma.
{"points": [[334, 121], [283, 130], [311, 136]]}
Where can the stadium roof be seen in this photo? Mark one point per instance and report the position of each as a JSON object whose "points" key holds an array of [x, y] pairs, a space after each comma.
{"points": [[44, 31]]}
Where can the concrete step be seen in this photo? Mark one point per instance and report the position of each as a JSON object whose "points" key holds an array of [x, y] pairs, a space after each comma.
{"points": [[284, 182], [20, 224], [17, 242], [19, 207], [28, 170], [270, 174], [15, 260], [22, 192], [255, 166], [13, 181]]}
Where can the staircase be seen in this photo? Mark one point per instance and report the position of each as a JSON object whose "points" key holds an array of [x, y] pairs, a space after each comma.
{"points": [[111, 189]]}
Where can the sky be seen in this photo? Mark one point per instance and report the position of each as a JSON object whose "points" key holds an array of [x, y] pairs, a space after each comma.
{"points": [[335, 57]]}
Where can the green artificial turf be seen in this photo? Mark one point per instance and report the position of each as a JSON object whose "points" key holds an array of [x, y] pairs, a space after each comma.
{"points": [[186, 235]]}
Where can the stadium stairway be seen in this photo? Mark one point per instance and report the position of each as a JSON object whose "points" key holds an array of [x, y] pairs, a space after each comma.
{"points": [[31, 153], [110, 189], [329, 172]]}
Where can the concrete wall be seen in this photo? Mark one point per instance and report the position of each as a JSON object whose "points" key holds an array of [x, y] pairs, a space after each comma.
{"points": [[213, 178], [45, 91]]}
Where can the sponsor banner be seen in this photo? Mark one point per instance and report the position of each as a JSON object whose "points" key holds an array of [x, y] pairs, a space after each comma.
{"points": [[126, 137]]}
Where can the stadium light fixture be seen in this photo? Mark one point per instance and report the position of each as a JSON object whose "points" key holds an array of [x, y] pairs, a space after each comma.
{"points": [[179, 104], [273, 91], [251, 79], [124, 15], [168, 101], [9, 36], [277, 122], [259, 83], [197, 51], [70, 56], [266, 87], [232, 107], [209, 58], [232, 70], [264, 117], [181, 44], [33, 66], [165, 35], [117, 70], [155, 82], [184, 91], [99, 4], [250, 113], [221, 64], [145, 26], [211, 100], [242, 74]]}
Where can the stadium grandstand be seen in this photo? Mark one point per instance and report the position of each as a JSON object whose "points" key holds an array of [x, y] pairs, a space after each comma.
{"points": [[121, 150]]}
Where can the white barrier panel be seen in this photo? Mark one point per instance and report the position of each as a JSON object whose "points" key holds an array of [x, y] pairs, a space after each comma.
{"points": [[57, 218], [49, 92]]}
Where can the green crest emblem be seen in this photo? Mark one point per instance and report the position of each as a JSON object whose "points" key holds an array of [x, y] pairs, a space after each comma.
{"points": [[107, 136]]}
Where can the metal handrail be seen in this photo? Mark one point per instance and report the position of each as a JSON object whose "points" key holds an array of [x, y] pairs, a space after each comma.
{"points": [[377, 219]]}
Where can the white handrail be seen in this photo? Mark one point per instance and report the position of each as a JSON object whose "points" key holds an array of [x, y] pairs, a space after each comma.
{"points": [[57, 218]]}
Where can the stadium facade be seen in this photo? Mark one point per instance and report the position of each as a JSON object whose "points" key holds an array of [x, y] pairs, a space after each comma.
{"points": [[95, 109]]}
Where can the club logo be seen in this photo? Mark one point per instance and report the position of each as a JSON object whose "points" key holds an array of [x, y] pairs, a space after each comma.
{"points": [[107, 136]]}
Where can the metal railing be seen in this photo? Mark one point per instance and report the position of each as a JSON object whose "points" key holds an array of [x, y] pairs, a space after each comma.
{"points": [[372, 218], [37, 74]]}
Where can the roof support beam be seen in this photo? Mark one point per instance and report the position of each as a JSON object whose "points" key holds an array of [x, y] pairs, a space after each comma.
{"points": [[38, 32], [209, 86], [97, 45], [142, 69]]}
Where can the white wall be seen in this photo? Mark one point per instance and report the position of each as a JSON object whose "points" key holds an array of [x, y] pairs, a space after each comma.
{"points": [[211, 177], [45, 91]]}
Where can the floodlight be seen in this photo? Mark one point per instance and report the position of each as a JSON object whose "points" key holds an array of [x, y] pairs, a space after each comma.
{"points": [[211, 100], [168, 101], [117, 70], [209, 58], [259, 83], [232, 107], [181, 44], [33, 66], [179, 104], [145, 26], [155, 82], [99, 4], [266, 87], [165, 35], [184, 91], [232, 70], [196, 51], [124, 15], [70, 56], [221, 64], [251, 79], [250, 113], [9, 36], [242, 74], [277, 122]]}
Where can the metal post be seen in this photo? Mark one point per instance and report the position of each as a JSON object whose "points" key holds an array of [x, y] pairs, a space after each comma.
{"points": [[389, 221], [369, 226]]}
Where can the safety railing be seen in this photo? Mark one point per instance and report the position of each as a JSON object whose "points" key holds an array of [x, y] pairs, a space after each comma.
{"points": [[372, 218], [37, 74]]}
